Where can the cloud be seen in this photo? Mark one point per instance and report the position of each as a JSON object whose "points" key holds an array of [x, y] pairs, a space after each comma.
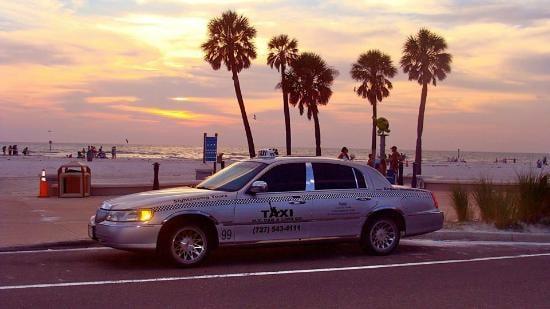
{"points": [[111, 100], [68, 59], [16, 53]]}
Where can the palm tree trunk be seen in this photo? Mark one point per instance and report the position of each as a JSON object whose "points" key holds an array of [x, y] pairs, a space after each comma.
{"points": [[373, 139], [286, 112], [317, 133], [249, 138], [419, 129]]}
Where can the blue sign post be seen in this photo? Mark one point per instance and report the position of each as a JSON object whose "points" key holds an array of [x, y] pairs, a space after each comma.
{"points": [[210, 149]]}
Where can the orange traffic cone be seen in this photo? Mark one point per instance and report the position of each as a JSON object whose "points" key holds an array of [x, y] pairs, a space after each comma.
{"points": [[43, 185]]}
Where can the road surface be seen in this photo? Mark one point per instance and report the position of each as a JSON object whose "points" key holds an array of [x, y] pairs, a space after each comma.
{"points": [[421, 274]]}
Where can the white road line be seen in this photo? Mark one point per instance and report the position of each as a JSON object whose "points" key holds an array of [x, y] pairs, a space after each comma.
{"points": [[56, 250], [469, 243], [423, 242], [268, 273]]}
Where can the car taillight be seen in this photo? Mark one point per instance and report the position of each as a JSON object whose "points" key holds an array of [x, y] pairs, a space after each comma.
{"points": [[436, 204]]}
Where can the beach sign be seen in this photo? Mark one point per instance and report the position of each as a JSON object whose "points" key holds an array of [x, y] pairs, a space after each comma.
{"points": [[210, 150]]}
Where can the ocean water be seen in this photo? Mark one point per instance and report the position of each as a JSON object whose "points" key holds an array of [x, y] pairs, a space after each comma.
{"points": [[235, 153]]}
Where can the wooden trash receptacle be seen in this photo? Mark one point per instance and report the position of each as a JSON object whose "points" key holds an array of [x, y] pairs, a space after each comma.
{"points": [[74, 180]]}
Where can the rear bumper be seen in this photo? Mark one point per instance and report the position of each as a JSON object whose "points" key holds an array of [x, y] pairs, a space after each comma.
{"points": [[124, 235], [424, 222]]}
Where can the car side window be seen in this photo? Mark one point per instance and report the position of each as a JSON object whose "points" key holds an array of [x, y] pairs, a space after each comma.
{"points": [[360, 179], [333, 176], [286, 177]]}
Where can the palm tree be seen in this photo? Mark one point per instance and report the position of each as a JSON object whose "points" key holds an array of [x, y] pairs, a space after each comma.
{"points": [[230, 42], [308, 84], [425, 60], [373, 69], [282, 52]]}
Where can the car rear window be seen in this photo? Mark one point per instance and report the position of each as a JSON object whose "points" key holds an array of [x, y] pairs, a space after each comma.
{"points": [[335, 176], [286, 177]]}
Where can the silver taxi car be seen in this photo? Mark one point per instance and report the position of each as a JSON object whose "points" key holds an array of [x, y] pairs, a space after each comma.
{"points": [[281, 199]]}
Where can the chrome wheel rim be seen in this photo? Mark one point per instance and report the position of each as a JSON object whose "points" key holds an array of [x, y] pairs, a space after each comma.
{"points": [[383, 235], [189, 245]]}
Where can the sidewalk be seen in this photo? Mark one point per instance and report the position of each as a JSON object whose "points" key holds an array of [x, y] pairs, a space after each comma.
{"points": [[26, 221]]}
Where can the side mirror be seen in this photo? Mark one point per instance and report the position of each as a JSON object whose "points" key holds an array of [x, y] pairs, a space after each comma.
{"points": [[258, 187]]}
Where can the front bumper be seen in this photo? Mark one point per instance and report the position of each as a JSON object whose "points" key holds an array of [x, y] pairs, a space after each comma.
{"points": [[124, 235]]}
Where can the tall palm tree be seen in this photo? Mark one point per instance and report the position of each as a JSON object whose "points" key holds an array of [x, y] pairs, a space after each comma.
{"points": [[230, 42], [308, 84], [282, 52], [373, 69], [425, 60]]}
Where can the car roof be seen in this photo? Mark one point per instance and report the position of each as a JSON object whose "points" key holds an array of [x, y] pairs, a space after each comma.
{"points": [[290, 159]]}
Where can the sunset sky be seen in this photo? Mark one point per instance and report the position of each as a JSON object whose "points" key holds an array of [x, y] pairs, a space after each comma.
{"points": [[103, 71]]}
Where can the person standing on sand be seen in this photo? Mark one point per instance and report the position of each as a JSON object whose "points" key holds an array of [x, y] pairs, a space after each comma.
{"points": [[4, 149], [113, 152], [89, 154], [10, 150], [370, 162], [344, 154], [394, 159]]}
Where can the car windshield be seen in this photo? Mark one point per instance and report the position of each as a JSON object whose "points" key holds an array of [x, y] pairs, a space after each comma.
{"points": [[234, 177]]}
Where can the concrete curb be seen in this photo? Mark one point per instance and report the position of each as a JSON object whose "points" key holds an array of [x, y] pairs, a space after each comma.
{"points": [[487, 236], [72, 244], [446, 235]]}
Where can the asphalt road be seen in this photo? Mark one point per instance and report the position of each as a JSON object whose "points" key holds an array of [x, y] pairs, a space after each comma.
{"points": [[421, 273]]}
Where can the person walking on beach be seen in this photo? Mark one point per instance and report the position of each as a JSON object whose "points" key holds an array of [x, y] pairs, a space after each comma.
{"points": [[10, 150], [344, 154], [113, 152], [4, 149], [26, 151]]}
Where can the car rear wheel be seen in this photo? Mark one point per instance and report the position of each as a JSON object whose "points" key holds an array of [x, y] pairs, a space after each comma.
{"points": [[186, 245], [381, 236]]}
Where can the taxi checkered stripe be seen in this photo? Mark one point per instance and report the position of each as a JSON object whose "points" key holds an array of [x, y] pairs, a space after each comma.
{"points": [[306, 196]]}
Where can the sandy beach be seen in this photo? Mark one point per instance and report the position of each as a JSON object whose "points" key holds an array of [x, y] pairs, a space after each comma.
{"points": [[134, 170]]}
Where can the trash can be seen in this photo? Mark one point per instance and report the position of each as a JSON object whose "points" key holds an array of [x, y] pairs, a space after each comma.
{"points": [[74, 180]]}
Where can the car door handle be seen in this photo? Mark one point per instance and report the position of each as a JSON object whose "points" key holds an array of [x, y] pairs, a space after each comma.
{"points": [[364, 198], [297, 202]]}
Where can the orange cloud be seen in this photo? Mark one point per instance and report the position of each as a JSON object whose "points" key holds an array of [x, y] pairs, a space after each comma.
{"points": [[111, 100]]}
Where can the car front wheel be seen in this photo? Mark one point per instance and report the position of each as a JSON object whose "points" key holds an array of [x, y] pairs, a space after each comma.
{"points": [[381, 236], [185, 245]]}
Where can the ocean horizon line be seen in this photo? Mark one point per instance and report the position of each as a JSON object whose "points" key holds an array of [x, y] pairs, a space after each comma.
{"points": [[280, 148]]}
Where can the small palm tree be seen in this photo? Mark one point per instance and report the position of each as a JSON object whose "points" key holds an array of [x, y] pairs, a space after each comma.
{"points": [[373, 70], [282, 52], [230, 42], [308, 84], [425, 60]]}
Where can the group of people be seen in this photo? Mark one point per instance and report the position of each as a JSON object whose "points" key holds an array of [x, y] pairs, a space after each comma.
{"points": [[380, 164], [93, 152], [542, 162], [506, 160], [11, 150]]}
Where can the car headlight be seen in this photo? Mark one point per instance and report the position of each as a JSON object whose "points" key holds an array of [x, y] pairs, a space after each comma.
{"points": [[139, 215]]}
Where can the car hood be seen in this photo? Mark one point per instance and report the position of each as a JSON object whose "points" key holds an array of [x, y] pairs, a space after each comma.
{"points": [[159, 197]]}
